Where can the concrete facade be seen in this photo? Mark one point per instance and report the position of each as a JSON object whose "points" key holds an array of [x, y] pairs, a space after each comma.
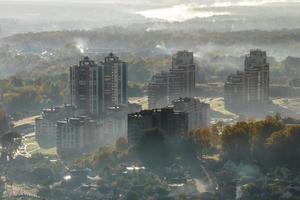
{"points": [[198, 112], [95, 87], [250, 87], [169, 121], [179, 81]]}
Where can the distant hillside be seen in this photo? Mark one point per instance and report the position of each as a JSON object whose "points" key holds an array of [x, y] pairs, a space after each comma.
{"points": [[139, 38], [147, 52]]}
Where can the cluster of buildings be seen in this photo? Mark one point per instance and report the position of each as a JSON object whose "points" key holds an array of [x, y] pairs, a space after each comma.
{"points": [[249, 88], [178, 82], [99, 112], [96, 87], [184, 115], [45, 126], [171, 103]]}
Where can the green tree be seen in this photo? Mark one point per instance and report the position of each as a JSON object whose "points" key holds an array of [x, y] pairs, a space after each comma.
{"points": [[2, 187], [3, 121], [10, 143], [42, 175]]}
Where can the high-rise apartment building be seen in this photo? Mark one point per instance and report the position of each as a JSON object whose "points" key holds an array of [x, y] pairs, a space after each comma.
{"points": [[250, 87], [115, 81], [182, 75], [95, 87], [179, 81], [257, 77], [87, 87], [166, 119]]}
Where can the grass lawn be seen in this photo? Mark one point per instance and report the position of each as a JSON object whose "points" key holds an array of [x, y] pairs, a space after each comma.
{"points": [[140, 100], [32, 147], [217, 104], [288, 103], [48, 152]]}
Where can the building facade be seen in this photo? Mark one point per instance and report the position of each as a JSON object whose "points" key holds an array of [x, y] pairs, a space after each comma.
{"points": [[257, 77], [87, 87], [234, 92], [77, 135], [250, 87], [114, 125], [179, 81], [182, 75], [95, 87], [198, 112], [115, 81], [169, 121], [45, 126], [158, 91]]}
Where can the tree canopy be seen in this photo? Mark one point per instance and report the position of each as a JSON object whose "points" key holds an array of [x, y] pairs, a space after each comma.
{"points": [[10, 143]]}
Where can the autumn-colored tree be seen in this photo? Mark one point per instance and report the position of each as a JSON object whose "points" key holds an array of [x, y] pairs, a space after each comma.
{"points": [[283, 147], [121, 144], [236, 142], [260, 132], [202, 139], [102, 158]]}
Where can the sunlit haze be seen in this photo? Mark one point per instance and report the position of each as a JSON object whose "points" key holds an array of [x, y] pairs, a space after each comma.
{"points": [[149, 99]]}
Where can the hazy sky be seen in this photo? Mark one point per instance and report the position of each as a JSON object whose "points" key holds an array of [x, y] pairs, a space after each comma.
{"points": [[205, 2], [79, 1]]}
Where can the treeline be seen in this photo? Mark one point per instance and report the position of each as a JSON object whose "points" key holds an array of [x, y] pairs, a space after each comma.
{"points": [[269, 143], [4, 121], [139, 38], [155, 150], [23, 96]]}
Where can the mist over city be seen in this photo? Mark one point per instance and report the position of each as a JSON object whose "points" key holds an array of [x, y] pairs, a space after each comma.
{"points": [[149, 100]]}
